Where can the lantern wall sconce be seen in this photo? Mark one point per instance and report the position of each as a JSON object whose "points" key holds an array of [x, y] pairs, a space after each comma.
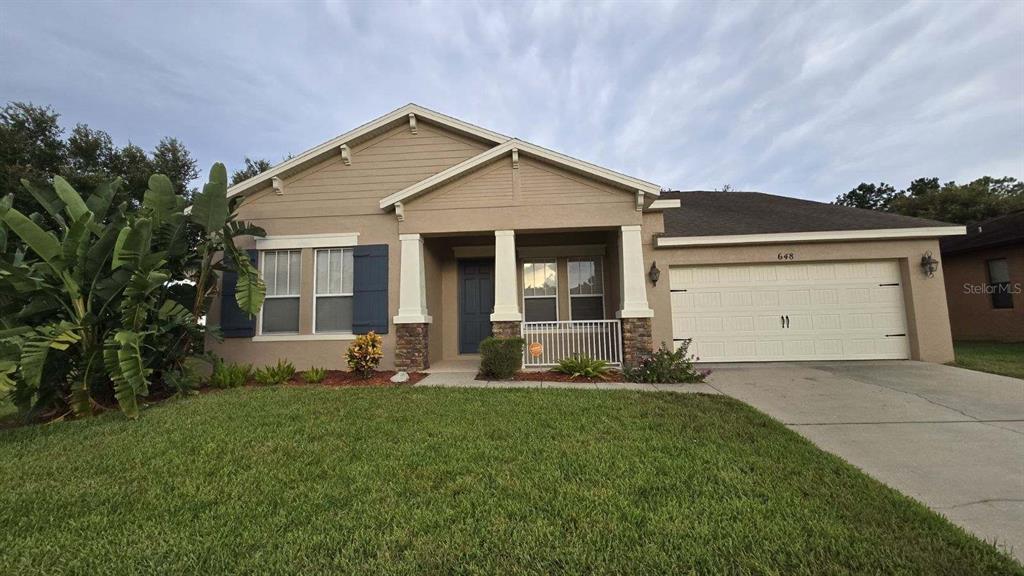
{"points": [[929, 264], [654, 273]]}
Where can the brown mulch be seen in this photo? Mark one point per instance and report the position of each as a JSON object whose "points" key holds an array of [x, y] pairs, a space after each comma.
{"points": [[343, 378], [550, 376]]}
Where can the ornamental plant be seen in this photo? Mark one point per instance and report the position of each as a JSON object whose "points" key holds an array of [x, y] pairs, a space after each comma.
{"points": [[501, 358], [582, 366], [666, 366], [98, 301], [364, 354]]}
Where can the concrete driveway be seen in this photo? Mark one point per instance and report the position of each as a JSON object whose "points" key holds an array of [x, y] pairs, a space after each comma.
{"points": [[951, 438]]}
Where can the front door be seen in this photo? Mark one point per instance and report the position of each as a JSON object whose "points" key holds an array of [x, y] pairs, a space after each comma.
{"points": [[476, 302]]}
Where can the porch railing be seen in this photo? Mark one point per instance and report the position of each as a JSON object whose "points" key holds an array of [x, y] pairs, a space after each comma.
{"points": [[549, 342]]}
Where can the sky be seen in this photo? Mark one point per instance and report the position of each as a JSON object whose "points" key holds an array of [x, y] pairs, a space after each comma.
{"points": [[802, 99]]}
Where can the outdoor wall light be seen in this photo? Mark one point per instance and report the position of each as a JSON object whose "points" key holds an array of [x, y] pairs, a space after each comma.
{"points": [[654, 273], [929, 264]]}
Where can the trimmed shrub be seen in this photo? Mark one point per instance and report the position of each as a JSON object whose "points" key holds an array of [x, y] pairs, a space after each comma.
{"points": [[667, 366], [582, 366], [314, 375], [364, 354], [273, 375], [501, 358], [229, 375]]}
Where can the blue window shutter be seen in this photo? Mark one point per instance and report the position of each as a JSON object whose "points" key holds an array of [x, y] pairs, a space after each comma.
{"points": [[370, 289], [233, 322]]}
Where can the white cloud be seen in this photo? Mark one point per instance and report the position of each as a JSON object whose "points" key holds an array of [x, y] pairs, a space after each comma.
{"points": [[806, 99]]}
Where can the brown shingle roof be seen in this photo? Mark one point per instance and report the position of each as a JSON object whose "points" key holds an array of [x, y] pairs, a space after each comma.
{"points": [[998, 231], [726, 213]]}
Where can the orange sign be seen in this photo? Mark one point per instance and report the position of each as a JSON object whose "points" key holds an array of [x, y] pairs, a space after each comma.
{"points": [[536, 349]]}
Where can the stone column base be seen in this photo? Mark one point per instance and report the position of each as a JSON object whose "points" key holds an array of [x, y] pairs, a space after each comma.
{"points": [[636, 340], [502, 329], [412, 353]]}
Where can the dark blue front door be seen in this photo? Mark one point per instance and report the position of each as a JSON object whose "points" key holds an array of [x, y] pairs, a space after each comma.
{"points": [[476, 301]]}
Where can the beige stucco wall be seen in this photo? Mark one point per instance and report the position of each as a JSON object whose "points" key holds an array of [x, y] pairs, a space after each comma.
{"points": [[927, 317], [972, 316]]}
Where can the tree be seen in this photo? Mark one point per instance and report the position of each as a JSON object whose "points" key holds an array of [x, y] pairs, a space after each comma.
{"points": [[171, 158], [252, 168], [31, 147], [92, 309], [978, 200], [868, 196]]}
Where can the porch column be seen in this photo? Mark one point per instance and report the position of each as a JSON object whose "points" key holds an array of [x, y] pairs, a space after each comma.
{"points": [[506, 317], [412, 322], [635, 313]]}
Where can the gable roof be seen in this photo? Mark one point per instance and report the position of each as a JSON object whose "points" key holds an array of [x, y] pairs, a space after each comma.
{"points": [[525, 149], [1002, 230], [366, 131], [705, 214]]}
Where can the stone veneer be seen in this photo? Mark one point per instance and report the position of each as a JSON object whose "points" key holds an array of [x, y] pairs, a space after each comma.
{"points": [[506, 329], [636, 340], [411, 347]]}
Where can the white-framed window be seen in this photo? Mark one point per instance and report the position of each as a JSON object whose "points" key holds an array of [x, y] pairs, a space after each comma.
{"points": [[586, 288], [282, 273], [332, 297], [540, 291]]}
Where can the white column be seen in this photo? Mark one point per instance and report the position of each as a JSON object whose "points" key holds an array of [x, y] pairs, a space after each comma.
{"points": [[506, 297], [632, 275], [412, 287]]}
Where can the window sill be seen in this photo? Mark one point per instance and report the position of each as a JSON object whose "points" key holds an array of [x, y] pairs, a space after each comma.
{"points": [[303, 337]]}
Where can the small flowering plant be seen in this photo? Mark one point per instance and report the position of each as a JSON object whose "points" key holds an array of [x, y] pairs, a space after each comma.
{"points": [[667, 366], [364, 354]]}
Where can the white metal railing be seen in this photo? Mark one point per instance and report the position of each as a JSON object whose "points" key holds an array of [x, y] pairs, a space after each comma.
{"points": [[549, 342]]}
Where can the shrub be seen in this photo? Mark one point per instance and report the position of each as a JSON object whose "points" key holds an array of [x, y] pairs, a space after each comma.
{"points": [[501, 358], [365, 353], [273, 375], [314, 375], [667, 367], [582, 366], [229, 375]]}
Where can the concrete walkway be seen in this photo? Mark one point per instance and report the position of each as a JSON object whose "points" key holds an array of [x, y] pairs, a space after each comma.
{"points": [[951, 438], [468, 380]]}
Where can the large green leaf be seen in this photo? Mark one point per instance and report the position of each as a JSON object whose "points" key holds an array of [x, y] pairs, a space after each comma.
{"points": [[36, 348], [78, 231], [46, 197], [134, 244], [250, 289], [123, 358], [210, 208], [99, 201], [40, 241], [160, 200], [73, 203]]}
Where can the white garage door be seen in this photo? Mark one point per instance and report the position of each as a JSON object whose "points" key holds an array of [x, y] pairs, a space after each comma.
{"points": [[791, 311]]}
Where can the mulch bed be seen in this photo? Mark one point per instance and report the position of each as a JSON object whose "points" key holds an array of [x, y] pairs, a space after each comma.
{"points": [[525, 376], [343, 378]]}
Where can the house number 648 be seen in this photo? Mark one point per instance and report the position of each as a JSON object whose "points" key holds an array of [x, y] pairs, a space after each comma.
{"points": [[787, 256]]}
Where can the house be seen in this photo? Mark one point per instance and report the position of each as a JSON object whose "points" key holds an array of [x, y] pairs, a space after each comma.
{"points": [[437, 233], [984, 280]]}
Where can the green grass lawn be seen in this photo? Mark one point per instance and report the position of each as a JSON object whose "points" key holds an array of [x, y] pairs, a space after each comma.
{"points": [[403, 480], [995, 357]]}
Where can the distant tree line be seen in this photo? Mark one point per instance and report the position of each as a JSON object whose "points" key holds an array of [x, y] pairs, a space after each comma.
{"points": [[978, 200]]}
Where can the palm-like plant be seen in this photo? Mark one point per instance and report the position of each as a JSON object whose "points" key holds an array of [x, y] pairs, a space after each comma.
{"points": [[110, 296]]}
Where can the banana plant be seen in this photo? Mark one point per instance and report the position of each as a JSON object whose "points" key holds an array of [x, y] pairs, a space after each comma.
{"points": [[96, 308]]}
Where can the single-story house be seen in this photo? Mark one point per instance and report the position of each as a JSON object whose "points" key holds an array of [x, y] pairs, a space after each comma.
{"points": [[985, 279], [436, 233]]}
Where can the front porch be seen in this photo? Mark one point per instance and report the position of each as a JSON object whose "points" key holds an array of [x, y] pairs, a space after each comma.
{"points": [[566, 292]]}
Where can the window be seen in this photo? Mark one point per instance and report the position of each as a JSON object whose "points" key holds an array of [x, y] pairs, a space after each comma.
{"points": [[540, 291], [999, 283], [586, 289], [333, 305], [282, 273]]}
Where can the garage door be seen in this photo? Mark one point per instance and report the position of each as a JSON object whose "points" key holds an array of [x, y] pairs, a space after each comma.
{"points": [[791, 311]]}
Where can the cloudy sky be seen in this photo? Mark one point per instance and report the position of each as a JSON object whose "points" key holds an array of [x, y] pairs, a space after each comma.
{"points": [[803, 99]]}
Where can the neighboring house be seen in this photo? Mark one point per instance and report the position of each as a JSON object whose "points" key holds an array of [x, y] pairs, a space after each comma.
{"points": [[984, 280], [436, 233]]}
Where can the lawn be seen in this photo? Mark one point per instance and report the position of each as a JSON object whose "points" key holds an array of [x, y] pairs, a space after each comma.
{"points": [[404, 480], [995, 357]]}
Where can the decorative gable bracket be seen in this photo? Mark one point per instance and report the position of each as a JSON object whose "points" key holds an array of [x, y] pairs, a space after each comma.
{"points": [[346, 154], [412, 123], [639, 200], [400, 211], [278, 185], [515, 158]]}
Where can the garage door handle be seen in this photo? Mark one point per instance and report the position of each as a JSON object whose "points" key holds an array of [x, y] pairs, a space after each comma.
{"points": [[787, 321], [782, 319]]}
